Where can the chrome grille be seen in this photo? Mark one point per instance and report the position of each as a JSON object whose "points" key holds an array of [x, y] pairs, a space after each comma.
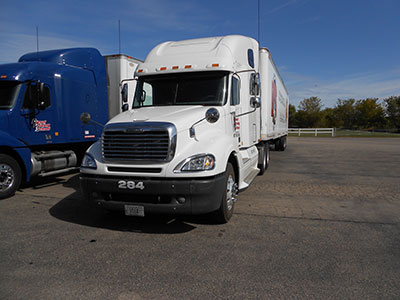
{"points": [[139, 142]]}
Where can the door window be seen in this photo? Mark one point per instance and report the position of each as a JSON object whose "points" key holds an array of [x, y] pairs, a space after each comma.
{"points": [[34, 99], [235, 98]]}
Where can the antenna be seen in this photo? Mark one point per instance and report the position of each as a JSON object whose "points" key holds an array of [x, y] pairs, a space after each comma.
{"points": [[119, 36], [37, 51], [37, 42], [258, 22]]}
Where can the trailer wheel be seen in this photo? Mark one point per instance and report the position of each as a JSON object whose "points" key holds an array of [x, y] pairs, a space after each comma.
{"points": [[264, 157], [10, 176], [278, 144], [283, 143], [225, 211]]}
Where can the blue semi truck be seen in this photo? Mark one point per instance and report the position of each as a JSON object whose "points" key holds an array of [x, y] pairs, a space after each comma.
{"points": [[42, 97]]}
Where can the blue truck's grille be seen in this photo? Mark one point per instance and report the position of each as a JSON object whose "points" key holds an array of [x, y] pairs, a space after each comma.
{"points": [[132, 142]]}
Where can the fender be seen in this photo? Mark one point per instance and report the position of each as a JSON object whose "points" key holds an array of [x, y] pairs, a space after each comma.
{"points": [[19, 148], [223, 146]]}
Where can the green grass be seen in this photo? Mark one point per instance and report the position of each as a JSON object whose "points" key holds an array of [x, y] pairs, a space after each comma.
{"points": [[364, 133]]}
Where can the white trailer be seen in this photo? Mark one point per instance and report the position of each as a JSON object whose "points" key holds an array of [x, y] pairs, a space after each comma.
{"points": [[204, 114], [274, 103], [120, 67]]}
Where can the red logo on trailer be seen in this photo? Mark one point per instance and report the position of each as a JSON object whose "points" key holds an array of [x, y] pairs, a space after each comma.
{"points": [[273, 101]]}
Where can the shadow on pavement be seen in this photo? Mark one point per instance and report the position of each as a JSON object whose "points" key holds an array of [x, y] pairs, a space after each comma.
{"points": [[37, 183], [74, 209]]}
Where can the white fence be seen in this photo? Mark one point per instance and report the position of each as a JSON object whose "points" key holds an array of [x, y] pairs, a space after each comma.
{"points": [[314, 131]]}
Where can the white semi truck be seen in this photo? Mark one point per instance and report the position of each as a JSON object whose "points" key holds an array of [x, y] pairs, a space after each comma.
{"points": [[204, 114]]}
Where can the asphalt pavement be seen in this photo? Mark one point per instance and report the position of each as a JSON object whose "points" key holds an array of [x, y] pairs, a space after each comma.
{"points": [[321, 223]]}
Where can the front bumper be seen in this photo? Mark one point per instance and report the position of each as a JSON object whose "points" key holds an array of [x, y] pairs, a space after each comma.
{"points": [[159, 195]]}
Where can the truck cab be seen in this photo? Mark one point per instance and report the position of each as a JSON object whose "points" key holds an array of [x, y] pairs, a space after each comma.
{"points": [[190, 141], [41, 99]]}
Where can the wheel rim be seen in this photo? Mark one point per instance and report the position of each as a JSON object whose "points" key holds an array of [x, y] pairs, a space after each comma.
{"points": [[231, 192], [7, 177]]}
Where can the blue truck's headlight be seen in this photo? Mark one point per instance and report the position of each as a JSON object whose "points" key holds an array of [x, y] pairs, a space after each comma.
{"points": [[88, 162], [202, 162]]}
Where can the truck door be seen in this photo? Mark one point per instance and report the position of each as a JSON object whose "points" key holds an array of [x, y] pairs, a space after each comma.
{"points": [[246, 110], [34, 123], [235, 107]]}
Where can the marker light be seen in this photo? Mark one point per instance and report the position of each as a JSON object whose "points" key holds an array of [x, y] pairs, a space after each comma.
{"points": [[175, 67], [215, 65], [3, 76], [188, 66], [140, 71]]}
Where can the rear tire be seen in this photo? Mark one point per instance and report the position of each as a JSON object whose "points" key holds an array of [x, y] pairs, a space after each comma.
{"points": [[225, 211], [281, 143], [278, 145], [10, 176]]}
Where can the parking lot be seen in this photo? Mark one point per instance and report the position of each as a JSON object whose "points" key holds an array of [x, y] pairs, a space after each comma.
{"points": [[321, 223]]}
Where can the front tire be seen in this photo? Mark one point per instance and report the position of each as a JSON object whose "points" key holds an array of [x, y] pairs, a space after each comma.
{"points": [[10, 176], [225, 211], [263, 158]]}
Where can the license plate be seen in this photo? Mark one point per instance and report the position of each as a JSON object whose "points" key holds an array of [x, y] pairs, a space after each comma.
{"points": [[133, 210]]}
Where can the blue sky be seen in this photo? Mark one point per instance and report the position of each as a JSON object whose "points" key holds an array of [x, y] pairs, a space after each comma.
{"points": [[326, 48]]}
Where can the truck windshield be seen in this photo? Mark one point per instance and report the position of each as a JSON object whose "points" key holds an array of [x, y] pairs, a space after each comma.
{"points": [[8, 93], [205, 88]]}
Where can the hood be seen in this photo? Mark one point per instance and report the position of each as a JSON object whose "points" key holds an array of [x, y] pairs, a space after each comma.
{"points": [[183, 117]]}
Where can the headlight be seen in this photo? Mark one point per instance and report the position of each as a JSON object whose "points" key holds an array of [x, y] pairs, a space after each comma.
{"points": [[201, 162], [88, 162]]}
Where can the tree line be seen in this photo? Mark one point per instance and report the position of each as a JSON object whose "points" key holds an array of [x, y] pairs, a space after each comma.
{"points": [[364, 114]]}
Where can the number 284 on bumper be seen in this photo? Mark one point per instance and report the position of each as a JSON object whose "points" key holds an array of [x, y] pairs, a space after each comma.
{"points": [[130, 185]]}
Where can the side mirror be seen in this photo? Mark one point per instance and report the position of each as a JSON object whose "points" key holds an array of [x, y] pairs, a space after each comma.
{"points": [[143, 97], [125, 107], [255, 102], [85, 118], [40, 103], [212, 115], [255, 84], [124, 93]]}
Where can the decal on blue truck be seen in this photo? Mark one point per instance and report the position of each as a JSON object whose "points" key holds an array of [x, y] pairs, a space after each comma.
{"points": [[40, 126]]}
